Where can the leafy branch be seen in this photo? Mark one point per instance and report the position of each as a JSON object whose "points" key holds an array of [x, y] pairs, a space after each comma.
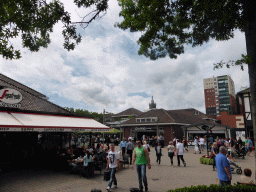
{"points": [[246, 59]]}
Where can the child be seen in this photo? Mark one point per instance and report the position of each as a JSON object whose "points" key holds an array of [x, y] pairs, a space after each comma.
{"points": [[231, 162]]}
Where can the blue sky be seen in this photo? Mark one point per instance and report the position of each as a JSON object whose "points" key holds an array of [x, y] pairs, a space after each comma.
{"points": [[105, 71]]}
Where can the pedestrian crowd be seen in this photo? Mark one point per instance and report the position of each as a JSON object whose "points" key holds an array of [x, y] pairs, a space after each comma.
{"points": [[138, 152], [223, 153]]}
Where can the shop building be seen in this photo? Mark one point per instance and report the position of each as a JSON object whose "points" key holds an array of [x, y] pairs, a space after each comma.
{"points": [[30, 125], [244, 108], [171, 124]]}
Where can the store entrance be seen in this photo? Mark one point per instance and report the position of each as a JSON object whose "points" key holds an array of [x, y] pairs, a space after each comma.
{"points": [[148, 134]]}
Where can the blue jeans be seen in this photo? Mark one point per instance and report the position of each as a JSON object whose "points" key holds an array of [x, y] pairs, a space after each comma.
{"points": [[141, 171], [112, 176]]}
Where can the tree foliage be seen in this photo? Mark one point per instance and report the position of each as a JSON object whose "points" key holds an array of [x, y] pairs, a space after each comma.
{"points": [[168, 25], [86, 113], [33, 20]]}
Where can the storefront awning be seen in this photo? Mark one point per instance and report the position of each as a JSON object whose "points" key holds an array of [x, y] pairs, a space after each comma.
{"points": [[10, 121]]}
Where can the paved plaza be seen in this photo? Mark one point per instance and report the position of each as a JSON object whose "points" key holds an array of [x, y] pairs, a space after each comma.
{"points": [[160, 177]]}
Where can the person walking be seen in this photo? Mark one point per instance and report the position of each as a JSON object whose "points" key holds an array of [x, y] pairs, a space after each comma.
{"points": [[122, 146], [112, 163], [197, 148], [214, 152], [202, 143], [185, 143], [249, 144], [140, 154], [223, 167], [129, 149], [158, 153], [170, 149], [181, 150]]}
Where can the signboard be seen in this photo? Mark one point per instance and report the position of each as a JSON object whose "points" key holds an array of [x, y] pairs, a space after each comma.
{"points": [[10, 98], [31, 129]]}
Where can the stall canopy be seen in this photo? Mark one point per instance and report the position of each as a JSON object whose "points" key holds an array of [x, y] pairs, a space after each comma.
{"points": [[11, 121]]}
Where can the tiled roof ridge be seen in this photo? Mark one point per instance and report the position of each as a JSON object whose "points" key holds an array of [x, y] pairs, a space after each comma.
{"points": [[36, 95], [20, 84], [132, 109], [187, 109], [168, 114]]}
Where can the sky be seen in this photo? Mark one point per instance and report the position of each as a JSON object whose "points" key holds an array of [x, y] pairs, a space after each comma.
{"points": [[106, 72]]}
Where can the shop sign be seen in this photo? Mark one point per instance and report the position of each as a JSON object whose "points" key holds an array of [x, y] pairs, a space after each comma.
{"points": [[10, 98], [32, 129]]}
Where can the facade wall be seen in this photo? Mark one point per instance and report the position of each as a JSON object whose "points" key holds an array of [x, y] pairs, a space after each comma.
{"points": [[169, 136], [234, 121], [126, 132]]}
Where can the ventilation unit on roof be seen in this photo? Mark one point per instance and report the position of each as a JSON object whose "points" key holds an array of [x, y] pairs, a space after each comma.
{"points": [[196, 112]]}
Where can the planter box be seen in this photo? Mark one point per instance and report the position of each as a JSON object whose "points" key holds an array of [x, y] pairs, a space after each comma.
{"points": [[207, 161]]}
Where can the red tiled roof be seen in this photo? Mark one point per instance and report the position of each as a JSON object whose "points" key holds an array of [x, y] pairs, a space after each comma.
{"points": [[128, 112], [182, 116]]}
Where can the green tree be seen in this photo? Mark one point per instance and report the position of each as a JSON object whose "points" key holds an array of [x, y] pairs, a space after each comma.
{"points": [[168, 25], [33, 20], [86, 113]]}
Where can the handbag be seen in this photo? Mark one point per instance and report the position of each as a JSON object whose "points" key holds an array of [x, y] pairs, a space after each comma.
{"points": [[148, 149]]}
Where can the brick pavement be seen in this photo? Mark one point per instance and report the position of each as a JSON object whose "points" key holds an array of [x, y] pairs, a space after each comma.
{"points": [[160, 178]]}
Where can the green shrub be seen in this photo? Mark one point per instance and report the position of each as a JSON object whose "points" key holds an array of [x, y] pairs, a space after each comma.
{"points": [[216, 188], [207, 161]]}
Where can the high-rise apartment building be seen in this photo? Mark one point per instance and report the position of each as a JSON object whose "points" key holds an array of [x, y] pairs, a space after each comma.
{"points": [[219, 93]]}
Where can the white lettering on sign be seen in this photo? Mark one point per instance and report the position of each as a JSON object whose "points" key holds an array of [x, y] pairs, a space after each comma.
{"points": [[27, 129], [2, 104], [4, 129], [239, 122], [10, 96], [53, 129]]}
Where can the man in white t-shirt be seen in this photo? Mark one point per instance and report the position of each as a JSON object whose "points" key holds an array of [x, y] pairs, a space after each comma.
{"points": [[112, 163], [202, 143], [180, 149]]}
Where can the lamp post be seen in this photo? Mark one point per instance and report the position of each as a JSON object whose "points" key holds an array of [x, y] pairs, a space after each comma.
{"points": [[103, 116], [206, 128], [157, 130]]}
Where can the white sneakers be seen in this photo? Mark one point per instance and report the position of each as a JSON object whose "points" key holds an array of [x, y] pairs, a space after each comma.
{"points": [[113, 187]]}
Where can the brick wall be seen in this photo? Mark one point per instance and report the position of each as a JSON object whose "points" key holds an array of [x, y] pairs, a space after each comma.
{"points": [[126, 132], [178, 133]]}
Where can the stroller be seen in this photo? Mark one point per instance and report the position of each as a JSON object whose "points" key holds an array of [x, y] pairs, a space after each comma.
{"points": [[236, 168], [240, 152]]}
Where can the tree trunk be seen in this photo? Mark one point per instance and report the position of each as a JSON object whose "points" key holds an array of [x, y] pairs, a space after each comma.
{"points": [[250, 36]]}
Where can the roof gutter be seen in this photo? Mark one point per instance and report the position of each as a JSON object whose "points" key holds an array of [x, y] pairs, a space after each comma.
{"points": [[127, 125]]}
